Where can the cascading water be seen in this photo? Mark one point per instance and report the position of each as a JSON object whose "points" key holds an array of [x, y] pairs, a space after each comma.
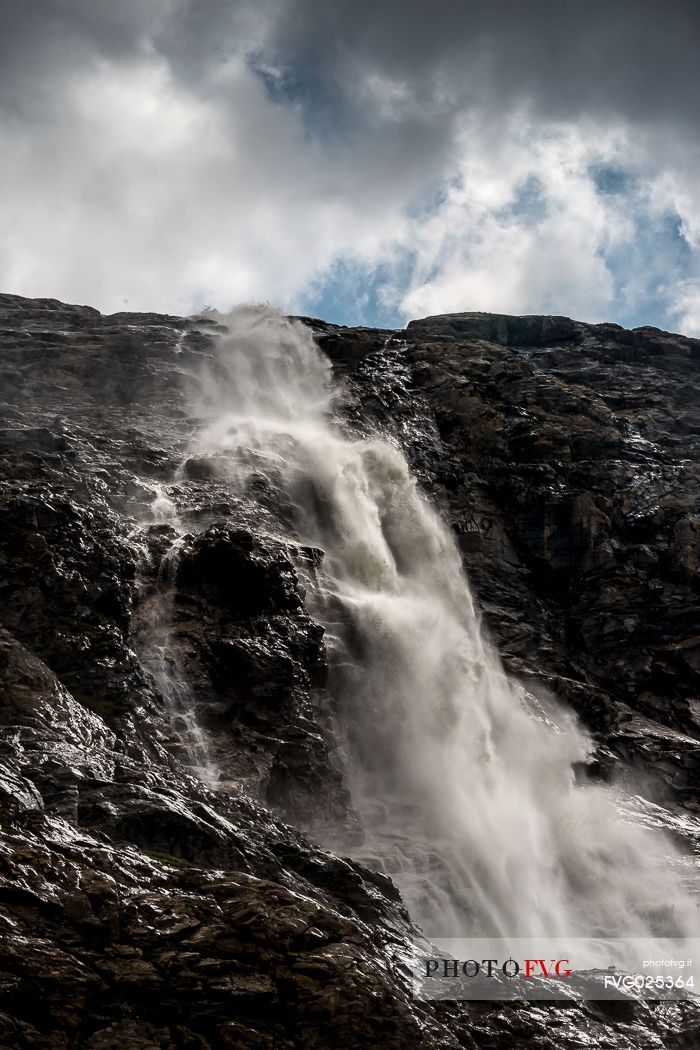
{"points": [[161, 657], [464, 788]]}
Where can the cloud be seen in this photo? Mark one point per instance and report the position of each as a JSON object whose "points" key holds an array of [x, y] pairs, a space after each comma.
{"points": [[686, 307], [635, 58], [522, 224], [384, 160], [144, 192]]}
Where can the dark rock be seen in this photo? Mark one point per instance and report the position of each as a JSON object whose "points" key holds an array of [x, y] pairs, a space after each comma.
{"points": [[233, 569], [201, 469]]}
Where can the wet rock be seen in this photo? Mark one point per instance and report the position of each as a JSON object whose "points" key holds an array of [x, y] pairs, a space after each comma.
{"points": [[201, 469], [233, 569], [258, 660]]}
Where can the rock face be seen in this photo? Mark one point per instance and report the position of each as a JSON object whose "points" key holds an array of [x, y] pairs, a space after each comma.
{"points": [[141, 908]]}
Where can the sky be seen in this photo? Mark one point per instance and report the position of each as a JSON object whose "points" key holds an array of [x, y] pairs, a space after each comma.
{"points": [[367, 163]]}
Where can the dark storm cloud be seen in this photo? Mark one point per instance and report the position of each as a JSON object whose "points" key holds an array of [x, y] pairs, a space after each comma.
{"points": [[640, 55], [637, 57], [43, 39]]}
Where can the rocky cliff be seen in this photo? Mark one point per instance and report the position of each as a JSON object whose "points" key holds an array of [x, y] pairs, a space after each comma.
{"points": [[142, 908]]}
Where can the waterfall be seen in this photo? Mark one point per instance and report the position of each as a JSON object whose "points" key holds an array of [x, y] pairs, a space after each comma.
{"points": [[464, 783], [160, 655]]}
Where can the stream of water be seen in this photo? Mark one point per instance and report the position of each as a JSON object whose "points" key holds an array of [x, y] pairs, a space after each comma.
{"points": [[464, 784]]}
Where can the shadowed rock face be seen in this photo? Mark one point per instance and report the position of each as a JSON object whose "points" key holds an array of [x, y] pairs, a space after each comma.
{"points": [[141, 909]]}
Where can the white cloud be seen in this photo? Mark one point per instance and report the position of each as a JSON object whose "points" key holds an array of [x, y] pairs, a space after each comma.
{"points": [[685, 308], [150, 177], [145, 193], [522, 228]]}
